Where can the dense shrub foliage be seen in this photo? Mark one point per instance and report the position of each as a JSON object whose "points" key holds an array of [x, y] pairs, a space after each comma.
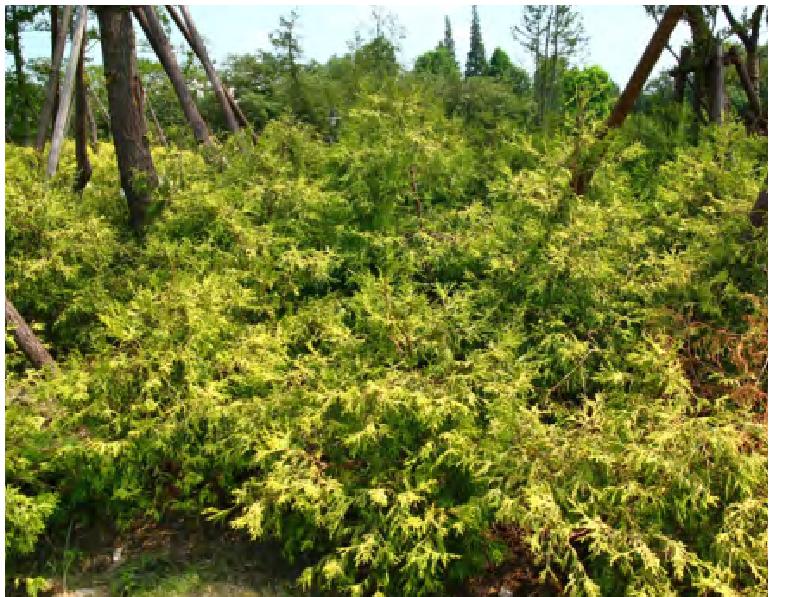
{"points": [[384, 351]]}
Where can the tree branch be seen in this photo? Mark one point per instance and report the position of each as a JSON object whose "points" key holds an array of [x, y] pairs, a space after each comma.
{"points": [[756, 23], [735, 26], [26, 340]]}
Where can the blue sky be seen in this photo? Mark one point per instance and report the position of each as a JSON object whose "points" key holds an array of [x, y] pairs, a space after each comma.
{"points": [[617, 33]]}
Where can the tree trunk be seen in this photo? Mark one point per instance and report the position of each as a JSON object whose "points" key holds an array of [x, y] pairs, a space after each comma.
{"points": [[160, 133], [758, 215], [26, 340], [64, 103], [627, 99], [715, 71], [680, 75], [554, 72], [54, 20], [98, 102], [645, 65], [199, 48], [127, 122], [94, 138], [66, 95], [241, 119], [52, 84], [159, 42], [745, 79], [81, 112]]}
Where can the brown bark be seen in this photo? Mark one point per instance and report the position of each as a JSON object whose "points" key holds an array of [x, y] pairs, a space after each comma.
{"points": [[81, 112], [240, 116], [758, 215], [94, 138], [54, 20], [99, 103], [26, 340], [645, 65], [127, 121], [197, 45], [715, 71], [749, 39], [64, 105], [733, 57], [160, 133], [48, 108], [680, 75], [159, 42], [632, 90]]}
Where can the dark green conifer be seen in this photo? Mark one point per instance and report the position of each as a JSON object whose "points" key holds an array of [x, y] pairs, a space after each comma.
{"points": [[476, 65]]}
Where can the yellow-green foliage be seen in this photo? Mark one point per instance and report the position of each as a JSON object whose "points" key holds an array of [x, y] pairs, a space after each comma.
{"points": [[294, 352]]}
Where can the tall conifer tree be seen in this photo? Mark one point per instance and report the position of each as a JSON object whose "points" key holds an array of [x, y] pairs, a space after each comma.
{"points": [[476, 65], [448, 38]]}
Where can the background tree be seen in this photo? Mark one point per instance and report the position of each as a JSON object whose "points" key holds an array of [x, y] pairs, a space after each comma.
{"points": [[288, 52], [553, 36], [439, 61], [476, 65], [448, 39], [17, 20]]}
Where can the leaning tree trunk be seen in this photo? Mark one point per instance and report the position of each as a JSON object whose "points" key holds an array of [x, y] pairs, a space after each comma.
{"points": [[81, 113], [102, 107], [745, 79], [197, 45], [241, 118], [127, 119], [52, 84], [94, 138], [159, 42], [26, 340], [645, 65], [631, 92], [160, 133], [54, 20], [66, 95]]}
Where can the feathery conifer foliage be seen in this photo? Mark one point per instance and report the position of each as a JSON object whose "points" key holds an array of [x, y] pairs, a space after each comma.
{"points": [[402, 349]]}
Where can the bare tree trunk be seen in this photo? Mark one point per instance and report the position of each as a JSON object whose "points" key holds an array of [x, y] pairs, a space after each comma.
{"points": [[627, 99], [94, 138], [127, 122], [745, 79], [758, 215], [680, 75], [81, 112], [241, 119], [52, 84], [160, 133], [159, 42], [54, 20], [26, 340], [198, 47], [715, 70], [645, 65], [99, 103], [749, 39], [554, 75], [66, 96]]}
